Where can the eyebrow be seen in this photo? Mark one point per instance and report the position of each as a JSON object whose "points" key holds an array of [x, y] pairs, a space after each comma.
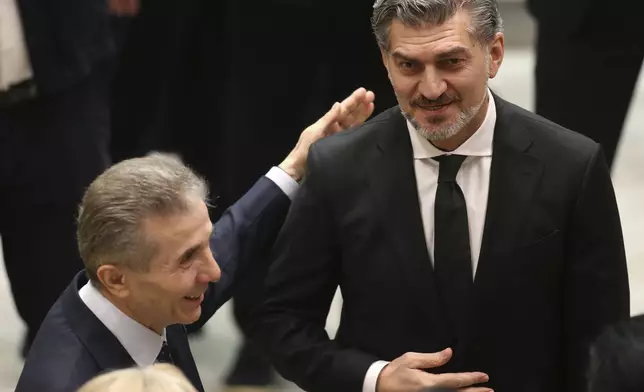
{"points": [[401, 56], [457, 51], [195, 248], [190, 251]]}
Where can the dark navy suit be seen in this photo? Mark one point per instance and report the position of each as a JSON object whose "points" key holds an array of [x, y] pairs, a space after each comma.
{"points": [[72, 345]]}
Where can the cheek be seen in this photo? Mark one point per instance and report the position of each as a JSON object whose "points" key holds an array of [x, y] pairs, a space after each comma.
{"points": [[469, 85], [183, 282], [404, 87]]}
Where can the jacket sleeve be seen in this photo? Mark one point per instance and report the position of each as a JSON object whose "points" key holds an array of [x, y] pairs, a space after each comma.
{"points": [[241, 241], [596, 285], [299, 290]]}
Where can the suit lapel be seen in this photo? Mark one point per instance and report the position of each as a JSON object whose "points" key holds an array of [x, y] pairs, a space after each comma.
{"points": [[181, 354], [99, 341], [393, 182], [514, 177]]}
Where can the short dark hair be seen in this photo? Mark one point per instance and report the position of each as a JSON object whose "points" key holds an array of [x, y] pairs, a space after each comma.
{"points": [[617, 358]]}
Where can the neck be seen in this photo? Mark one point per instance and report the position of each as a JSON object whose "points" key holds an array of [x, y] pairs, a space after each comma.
{"points": [[470, 129], [129, 311]]}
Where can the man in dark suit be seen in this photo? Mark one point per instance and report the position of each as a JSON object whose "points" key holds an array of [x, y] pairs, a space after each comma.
{"points": [[145, 237], [464, 222], [578, 43]]}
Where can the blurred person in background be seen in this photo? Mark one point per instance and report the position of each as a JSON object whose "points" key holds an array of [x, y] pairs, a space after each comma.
{"points": [[617, 358], [154, 263], [56, 59], [154, 378], [588, 57]]}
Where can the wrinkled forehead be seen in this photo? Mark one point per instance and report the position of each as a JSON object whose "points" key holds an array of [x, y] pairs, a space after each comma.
{"points": [[178, 227]]}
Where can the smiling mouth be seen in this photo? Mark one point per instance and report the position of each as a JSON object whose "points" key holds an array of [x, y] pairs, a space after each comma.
{"points": [[434, 107], [191, 298]]}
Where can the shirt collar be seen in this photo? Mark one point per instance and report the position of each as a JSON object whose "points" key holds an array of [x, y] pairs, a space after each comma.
{"points": [[479, 144], [141, 343]]}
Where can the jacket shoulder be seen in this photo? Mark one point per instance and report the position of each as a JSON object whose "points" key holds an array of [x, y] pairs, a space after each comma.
{"points": [[58, 361], [551, 141], [353, 144]]}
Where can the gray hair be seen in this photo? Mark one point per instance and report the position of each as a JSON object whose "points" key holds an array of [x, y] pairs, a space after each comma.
{"points": [[117, 203], [486, 20]]}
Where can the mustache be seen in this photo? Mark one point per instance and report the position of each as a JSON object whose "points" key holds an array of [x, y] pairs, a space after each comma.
{"points": [[442, 100]]}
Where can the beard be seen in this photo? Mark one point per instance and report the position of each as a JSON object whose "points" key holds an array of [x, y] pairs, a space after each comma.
{"points": [[438, 131]]}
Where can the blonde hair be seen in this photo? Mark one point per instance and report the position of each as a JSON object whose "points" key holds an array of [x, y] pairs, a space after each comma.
{"points": [[155, 378]]}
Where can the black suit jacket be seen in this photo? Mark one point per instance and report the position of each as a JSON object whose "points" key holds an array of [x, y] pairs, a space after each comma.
{"points": [[594, 17], [72, 345], [551, 272], [67, 39]]}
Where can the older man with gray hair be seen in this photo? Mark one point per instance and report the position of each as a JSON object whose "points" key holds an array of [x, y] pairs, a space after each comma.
{"points": [[466, 234], [154, 262]]}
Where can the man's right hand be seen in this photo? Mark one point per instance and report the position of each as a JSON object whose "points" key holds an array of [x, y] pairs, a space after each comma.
{"points": [[406, 374]]}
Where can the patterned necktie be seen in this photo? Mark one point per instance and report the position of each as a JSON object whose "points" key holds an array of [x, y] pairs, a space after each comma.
{"points": [[164, 355]]}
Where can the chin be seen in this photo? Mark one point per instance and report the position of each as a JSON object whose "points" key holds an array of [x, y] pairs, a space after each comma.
{"points": [[189, 317]]}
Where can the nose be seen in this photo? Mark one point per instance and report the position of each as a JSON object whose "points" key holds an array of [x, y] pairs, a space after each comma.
{"points": [[210, 271], [433, 85]]}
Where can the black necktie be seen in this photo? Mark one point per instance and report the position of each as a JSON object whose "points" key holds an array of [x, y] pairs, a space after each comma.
{"points": [[164, 355], [452, 257]]}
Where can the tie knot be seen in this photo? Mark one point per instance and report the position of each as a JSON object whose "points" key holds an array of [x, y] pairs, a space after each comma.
{"points": [[448, 167]]}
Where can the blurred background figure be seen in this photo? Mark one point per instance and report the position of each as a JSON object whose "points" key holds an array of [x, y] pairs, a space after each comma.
{"points": [[55, 65], [154, 378], [617, 359], [589, 55]]}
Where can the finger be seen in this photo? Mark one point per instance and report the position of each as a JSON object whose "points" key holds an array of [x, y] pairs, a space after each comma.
{"points": [[427, 361], [334, 128], [352, 102], [475, 389], [459, 380], [357, 114], [366, 110], [331, 116]]}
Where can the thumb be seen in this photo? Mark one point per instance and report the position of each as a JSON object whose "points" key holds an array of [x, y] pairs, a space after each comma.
{"points": [[331, 116], [432, 360]]}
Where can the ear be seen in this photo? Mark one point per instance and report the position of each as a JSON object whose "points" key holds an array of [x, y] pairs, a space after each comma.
{"points": [[113, 280], [496, 51]]}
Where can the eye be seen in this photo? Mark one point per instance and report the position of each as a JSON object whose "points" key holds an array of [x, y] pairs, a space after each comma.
{"points": [[188, 256], [406, 65], [454, 62]]}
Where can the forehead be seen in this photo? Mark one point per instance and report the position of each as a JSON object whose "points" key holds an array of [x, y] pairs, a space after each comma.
{"points": [[180, 227], [431, 40]]}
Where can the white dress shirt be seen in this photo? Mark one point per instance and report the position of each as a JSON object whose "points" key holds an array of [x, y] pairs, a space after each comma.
{"points": [[285, 182], [474, 180], [140, 342], [14, 59]]}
